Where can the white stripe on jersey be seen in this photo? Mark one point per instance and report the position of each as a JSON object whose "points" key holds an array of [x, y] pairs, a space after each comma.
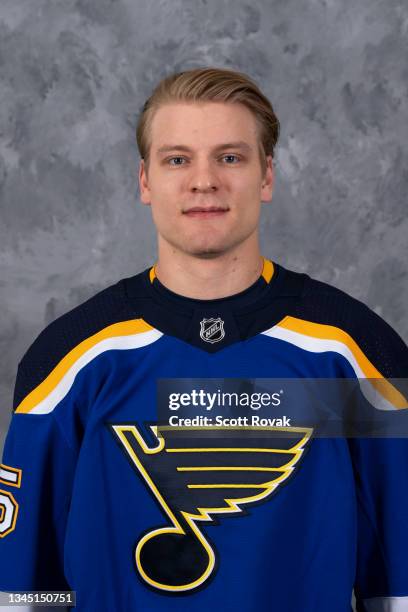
{"points": [[319, 345]]}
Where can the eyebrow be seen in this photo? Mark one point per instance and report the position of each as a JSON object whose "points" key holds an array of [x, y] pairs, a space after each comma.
{"points": [[239, 144]]}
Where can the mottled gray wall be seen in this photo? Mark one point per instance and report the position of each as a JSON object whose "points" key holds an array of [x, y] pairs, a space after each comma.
{"points": [[73, 76]]}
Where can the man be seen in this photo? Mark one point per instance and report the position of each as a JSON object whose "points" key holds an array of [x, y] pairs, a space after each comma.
{"points": [[101, 497]]}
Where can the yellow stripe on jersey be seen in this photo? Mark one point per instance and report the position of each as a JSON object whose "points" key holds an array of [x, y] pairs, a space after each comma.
{"points": [[267, 270], [152, 273], [319, 338], [130, 334]]}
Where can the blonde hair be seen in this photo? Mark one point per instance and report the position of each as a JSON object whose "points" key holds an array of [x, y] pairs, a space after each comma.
{"points": [[211, 84]]}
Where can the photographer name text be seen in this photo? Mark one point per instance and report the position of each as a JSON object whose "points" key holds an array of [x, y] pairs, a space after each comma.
{"points": [[241, 421]]}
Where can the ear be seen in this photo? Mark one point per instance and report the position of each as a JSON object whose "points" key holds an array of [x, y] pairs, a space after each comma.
{"points": [[268, 181], [143, 183]]}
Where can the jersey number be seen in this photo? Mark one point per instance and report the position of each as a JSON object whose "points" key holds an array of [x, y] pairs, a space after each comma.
{"points": [[8, 505]]}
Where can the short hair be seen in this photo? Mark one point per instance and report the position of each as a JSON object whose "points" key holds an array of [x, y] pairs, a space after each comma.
{"points": [[215, 85]]}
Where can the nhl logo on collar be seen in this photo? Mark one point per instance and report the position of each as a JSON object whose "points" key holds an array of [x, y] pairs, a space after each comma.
{"points": [[212, 330]]}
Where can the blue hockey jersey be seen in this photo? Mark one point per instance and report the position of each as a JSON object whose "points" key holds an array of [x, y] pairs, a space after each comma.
{"points": [[99, 497]]}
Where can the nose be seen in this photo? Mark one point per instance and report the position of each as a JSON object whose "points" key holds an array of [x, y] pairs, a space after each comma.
{"points": [[204, 188], [203, 178]]}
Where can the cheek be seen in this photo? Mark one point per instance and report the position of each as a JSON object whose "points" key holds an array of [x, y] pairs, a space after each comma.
{"points": [[165, 210], [167, 197], [247, 192], [247, 182]]}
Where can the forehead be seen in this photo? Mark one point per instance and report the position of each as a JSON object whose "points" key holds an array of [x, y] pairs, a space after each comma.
{"points": [[203, 124]]}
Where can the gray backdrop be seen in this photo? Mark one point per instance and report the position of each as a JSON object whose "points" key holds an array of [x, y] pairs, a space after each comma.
{"points": [[74, 75]]}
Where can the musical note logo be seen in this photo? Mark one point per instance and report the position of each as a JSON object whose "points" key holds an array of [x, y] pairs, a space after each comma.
{"points": [[196, 473]]}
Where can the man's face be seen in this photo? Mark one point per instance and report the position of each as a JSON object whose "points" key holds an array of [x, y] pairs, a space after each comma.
{"points": [[204, 181]]}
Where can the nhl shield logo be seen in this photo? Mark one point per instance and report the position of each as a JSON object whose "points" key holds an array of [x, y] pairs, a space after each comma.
{"points": [[212, 330]]}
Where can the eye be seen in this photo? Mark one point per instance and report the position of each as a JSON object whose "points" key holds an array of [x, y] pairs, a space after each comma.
{"points": [[230, 155], [178, 158]]}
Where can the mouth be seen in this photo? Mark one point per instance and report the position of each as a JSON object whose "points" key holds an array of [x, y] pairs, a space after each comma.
{"points": [[205, 212]]}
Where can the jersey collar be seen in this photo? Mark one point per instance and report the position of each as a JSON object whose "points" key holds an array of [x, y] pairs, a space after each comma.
{"points": [[237, 301]]}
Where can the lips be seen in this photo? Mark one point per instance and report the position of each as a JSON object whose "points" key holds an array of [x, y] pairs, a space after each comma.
{"points": [[205, 211]]}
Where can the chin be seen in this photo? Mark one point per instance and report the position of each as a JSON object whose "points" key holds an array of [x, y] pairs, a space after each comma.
{"points": [[206, 251]]}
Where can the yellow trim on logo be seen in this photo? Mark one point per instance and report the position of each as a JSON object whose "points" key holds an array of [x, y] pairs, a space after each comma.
{"points": [[204, 513], [120, 430]]}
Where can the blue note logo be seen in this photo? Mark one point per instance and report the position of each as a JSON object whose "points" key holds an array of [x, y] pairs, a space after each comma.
{"points": [[197, 474], [212, 330]]}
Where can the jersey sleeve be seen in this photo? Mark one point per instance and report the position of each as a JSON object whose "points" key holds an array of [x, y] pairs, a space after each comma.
{"points": [[380, 467], [52, 398], [36, 477]]}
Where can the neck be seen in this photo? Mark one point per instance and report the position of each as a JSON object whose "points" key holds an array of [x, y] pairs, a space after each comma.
{"points": [[208, 279]]}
